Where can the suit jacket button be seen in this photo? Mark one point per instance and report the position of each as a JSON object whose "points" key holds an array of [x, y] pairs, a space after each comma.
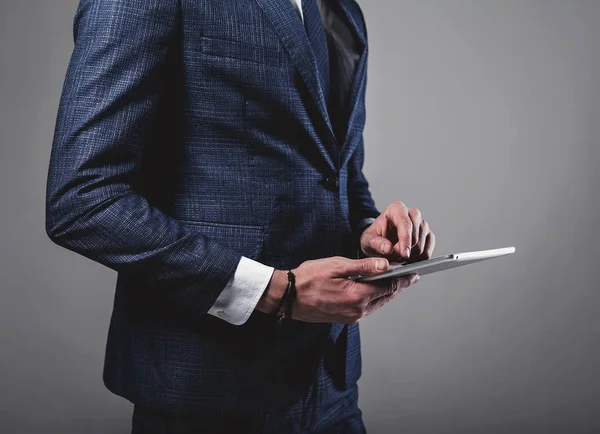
{"points": [[333, 183]]}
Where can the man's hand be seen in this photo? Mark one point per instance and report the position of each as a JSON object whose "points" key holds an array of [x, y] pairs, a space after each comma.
{"points": [[325, 294], [399, 234]]}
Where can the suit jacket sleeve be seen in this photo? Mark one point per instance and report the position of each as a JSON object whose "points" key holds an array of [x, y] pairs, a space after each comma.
{"points": [[106, 110], [361, 203]]}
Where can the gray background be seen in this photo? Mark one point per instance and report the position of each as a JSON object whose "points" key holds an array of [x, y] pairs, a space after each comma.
{"points": [[484, 114]]}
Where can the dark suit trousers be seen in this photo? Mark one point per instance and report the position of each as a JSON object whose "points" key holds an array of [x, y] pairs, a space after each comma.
{"points": [[324, 410]]}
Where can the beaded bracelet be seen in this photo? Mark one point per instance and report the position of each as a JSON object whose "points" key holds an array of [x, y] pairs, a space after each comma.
{"points": [[287, 299]]}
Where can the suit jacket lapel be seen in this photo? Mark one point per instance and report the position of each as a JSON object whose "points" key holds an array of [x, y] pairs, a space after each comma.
{"points": [[290, 29], [357, 84]]}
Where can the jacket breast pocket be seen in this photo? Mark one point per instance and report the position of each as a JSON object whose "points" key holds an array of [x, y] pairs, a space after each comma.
{"points": [[244, 239], [230, 49]]}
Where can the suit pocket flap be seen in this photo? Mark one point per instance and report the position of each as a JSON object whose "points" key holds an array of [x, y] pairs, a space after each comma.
{"points": [[244, 239], [240, 50]]}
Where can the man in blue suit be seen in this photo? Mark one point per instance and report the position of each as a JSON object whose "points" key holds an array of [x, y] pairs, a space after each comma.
{"points": [[202, 149]]}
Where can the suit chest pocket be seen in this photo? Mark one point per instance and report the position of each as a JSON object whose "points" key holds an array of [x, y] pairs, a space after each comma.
{"points": [[235, 50]]}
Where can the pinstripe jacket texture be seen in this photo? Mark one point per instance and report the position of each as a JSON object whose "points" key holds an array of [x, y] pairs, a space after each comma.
{"points": [[190, 133]]}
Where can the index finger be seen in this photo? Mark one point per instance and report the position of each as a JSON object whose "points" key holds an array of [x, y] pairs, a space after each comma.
{"points": [[404, 229]]}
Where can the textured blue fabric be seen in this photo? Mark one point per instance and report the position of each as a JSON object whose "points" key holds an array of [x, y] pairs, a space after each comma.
{"points": [[318, 42], [190, 133], [324, 410]]}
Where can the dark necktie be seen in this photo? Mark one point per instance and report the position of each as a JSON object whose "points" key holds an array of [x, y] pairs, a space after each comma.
{"points": [[318, 41]]}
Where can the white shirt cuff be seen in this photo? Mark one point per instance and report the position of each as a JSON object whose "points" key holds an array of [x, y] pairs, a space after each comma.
{"points": [[241, 294]]}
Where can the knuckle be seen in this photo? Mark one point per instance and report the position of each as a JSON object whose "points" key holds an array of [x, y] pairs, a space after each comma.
{"points": [[337, 263], [415, 212], [398, 204], [365, 266], [374, 242]]}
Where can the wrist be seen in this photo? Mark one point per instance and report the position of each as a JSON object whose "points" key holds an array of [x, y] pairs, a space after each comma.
{"points": [[273, 292]]}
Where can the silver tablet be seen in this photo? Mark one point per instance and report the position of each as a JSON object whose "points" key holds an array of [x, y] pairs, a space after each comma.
{"points": [[438, 264]]}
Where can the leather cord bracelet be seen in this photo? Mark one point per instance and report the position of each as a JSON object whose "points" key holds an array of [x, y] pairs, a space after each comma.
{"points": [[284, 309]]}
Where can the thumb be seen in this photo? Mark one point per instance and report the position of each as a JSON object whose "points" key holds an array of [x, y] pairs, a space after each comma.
{"points": [[363, 267]]}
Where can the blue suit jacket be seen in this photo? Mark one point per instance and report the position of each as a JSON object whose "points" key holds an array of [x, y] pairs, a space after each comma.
{"points": [[190, 133]]}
